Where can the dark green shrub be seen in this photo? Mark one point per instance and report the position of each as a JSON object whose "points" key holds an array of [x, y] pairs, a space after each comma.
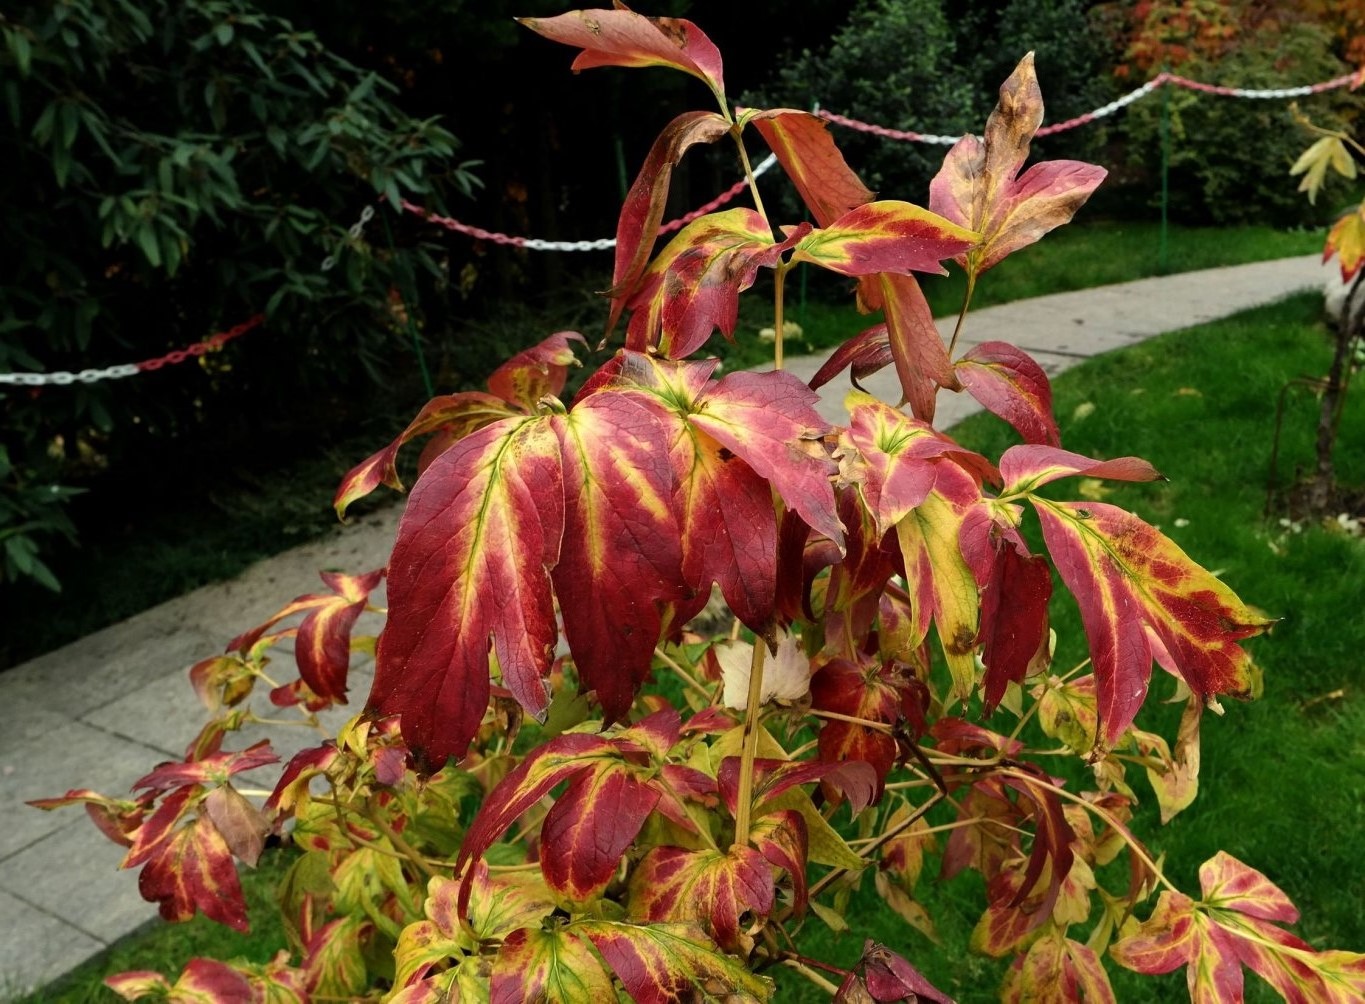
{"points": [[172, 168]]}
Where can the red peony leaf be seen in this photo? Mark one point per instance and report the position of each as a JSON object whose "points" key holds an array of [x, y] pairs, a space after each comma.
{"points": [[1228, 884], [621, 556], [708, 887], [887, 236], [557, 760], [216, 767], [591, 826], [891, 978], [1346, 240], [537, 372], [853, 780], [939, 581], [873, 692], [781, 838], [1057, 970], [554, 965], [693, 286], [670, 963], [1014, 621], [899, 454], [1028, 467], [468, 570], [769, 421], [193, 871], [1127, 576], [987, 844], [621, 37], [979, 185], [863, 354], [1008, 383], [1231, 927], [457, 414], [118, 819], [809, 155], [643, 210], [922, 361]]}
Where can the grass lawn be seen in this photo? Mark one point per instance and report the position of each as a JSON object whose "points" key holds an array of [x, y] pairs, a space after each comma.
{"points": [[1283, 779]]}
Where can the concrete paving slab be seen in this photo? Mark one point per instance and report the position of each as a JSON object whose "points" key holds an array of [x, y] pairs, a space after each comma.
{"points": [[36, 947], [43, 754], [97, 898]]}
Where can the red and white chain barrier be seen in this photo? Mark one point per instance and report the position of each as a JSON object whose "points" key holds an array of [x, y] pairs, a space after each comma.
{"points": [[1160, 80], [63, 378], [356, 231], [602, 243]]}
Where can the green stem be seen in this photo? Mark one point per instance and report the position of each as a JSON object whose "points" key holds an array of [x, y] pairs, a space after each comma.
{"points": [[749, 750], [962, 314], [749, 175], [779, 318]]}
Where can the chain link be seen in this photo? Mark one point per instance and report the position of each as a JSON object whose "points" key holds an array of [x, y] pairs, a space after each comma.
{"points": [[353, 233]]}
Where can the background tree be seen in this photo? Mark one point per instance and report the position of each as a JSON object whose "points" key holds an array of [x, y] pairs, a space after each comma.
{"points": [[172, 169]]}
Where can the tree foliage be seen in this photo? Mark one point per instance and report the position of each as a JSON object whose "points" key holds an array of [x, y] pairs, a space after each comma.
{"points": [[172, 170]]}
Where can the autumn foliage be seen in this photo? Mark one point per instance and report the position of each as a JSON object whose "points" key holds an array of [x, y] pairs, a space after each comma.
{"points": [[563, 787]]}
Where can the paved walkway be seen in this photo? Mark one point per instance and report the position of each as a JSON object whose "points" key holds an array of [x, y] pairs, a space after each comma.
{"points": [[102, 711]]}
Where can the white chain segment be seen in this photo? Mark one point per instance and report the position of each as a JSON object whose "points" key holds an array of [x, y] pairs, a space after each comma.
{"points": [[63, 378]]}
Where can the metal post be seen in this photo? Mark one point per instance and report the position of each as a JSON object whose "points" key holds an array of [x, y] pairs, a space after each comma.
{"points": [[1162, 258]]}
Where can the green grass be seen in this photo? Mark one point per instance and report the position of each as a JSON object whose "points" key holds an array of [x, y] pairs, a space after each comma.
{"points": [[1282, 784]]}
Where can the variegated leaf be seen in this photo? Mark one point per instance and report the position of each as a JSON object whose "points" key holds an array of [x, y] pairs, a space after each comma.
{"points": [[707, 887], [1346, 240], [468, 575], [671, 963], [1057, 970], [643, 210], [622, 557], [812, 160], [1008, 383], [887, 236], [922, 361], [979, 185], [555, 965], [621, 37], [692, 287], [193, 871], [590, 828], [537, 372], [1127, 576]]}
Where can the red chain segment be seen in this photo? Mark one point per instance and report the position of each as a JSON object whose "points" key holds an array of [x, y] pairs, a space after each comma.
{"points": [[215, 341]]}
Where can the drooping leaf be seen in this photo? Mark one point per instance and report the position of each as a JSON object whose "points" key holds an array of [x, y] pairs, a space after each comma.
{"points": [[868, 691], [643, 209], [1014, 619], [1176, 782], [193, 871], [883, 976], [863, 355], [706, 887], [458, 414], [671, 963], [1346, 240], [590, 828], [921, 358], [536, 372], [1127, 576], [554, 965], [623, 556], [939, 581], [781, 837], [468, 573], [1057, 970], [242, 826], [817, 168], [692, 287], [621, 37], [1326, 152], [557, 760], [1008, 383], [979, 185], [887, 236]]}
